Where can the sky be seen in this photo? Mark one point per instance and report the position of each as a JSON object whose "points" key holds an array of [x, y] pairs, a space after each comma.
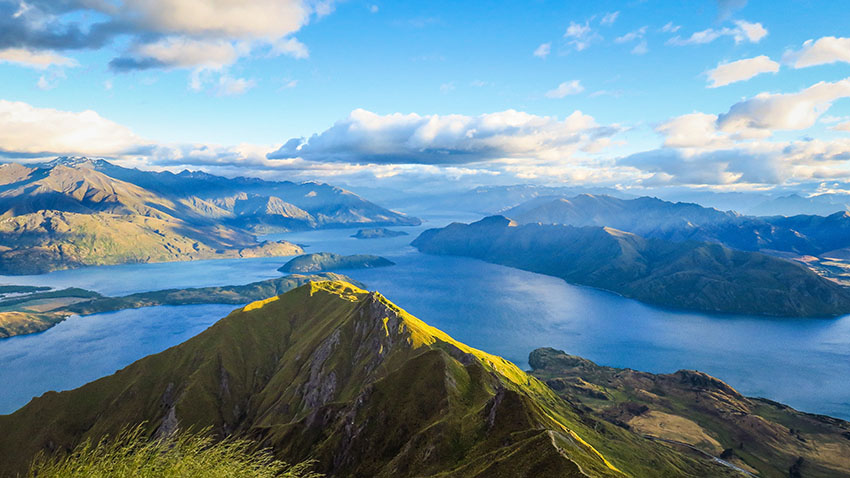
{"points": [[706, 94]]}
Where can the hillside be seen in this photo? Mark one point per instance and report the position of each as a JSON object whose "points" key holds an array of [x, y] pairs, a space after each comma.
{"points": [[341, 375], [75, 212], [697, 410], [328, 261], [690, 275]]}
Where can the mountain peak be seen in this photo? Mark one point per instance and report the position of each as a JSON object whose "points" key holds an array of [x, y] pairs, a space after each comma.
{"points": [[75, 162]]}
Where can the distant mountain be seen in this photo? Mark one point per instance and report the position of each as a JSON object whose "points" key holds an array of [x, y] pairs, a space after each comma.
{"points": [[690, 275], [342, 376], [651, 217], [696, 411], [794, 204], [73, 212]]}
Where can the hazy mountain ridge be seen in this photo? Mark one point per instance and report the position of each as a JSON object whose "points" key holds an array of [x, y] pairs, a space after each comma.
{"points": [[689, 275], [652, 217], [337, 374]]}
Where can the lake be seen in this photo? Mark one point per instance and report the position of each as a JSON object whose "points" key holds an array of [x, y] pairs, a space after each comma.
{"points": [[802, 362]]}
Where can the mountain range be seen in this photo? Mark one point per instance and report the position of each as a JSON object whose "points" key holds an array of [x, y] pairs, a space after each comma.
{"points": [[73, 212], [333, 373], [655, 218], [693, 275]]}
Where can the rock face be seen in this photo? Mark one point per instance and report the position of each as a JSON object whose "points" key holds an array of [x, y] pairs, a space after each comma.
{"points": [[697, 410], [75, 212], [343, 376], [690, 275], [327, 261]]}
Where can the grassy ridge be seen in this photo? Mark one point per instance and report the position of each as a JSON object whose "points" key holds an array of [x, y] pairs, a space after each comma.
{"points": [[331, 372], [325, 261]]}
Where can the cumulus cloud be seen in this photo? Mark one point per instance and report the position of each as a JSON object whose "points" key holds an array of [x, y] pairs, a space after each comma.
{"points": [[35, 59], [742, 32], [543, 50], [845, 126], [565, 89], [821, 52], [162, 33], [179, 52], [765, 112], [366, 137], [29, 131], [741, 70]]}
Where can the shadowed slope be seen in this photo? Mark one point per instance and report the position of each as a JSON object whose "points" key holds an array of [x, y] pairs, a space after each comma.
{"points": [[689, 275]]}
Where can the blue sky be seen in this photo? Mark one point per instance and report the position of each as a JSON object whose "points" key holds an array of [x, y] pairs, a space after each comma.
{"points": [[407, 84]]}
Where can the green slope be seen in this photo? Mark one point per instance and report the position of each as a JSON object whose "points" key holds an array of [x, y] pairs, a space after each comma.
{"points": [[337, 374], [690, 275]]}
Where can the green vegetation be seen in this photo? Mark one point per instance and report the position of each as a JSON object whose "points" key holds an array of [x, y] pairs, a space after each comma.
{"points": [[336, 374], [690, 275], [324, 261], [179, 455], [698, 410], [21, 289], [377, 233]]}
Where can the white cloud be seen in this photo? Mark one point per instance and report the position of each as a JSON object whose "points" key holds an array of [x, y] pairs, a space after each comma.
{"points": [[373, 9], [845, 126], [766, 112], [228, 86], [35, 59], [669, 27], [641, 48], [27, 130], [258, 19], [291, 47], [741, 70], [580, 36], [182, 52], [365, 137], [631, 36], [743, 31], [543, 50], [693, 130], [609, 18], [821, 52], [566, 88]]}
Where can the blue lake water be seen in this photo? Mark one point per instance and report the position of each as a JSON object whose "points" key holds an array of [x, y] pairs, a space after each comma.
{"points": [[802, 362]]}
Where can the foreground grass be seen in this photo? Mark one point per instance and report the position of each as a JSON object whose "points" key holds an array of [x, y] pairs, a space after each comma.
{"points": [[182, 455]]}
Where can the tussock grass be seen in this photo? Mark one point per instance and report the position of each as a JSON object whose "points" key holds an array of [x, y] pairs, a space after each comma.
{"points": [[181, 455]]}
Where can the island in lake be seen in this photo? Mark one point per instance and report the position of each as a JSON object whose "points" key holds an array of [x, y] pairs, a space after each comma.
{"points": [[377, 233], [325, 261]]}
